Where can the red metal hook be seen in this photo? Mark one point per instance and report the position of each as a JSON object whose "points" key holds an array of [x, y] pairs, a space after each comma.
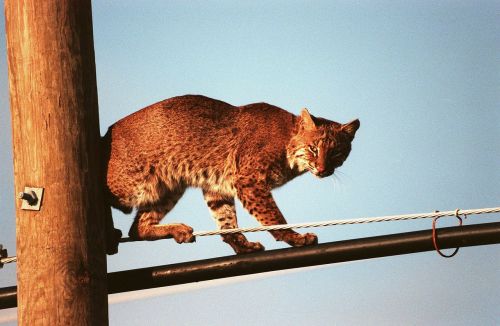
{"points": [[434, 236]]}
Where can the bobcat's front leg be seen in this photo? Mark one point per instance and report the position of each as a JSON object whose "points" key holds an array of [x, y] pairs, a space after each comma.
{"points": [[257, 199], [224, 214]]}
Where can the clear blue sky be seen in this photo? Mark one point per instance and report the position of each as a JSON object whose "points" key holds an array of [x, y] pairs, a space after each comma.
{"points": [[422, 76]]}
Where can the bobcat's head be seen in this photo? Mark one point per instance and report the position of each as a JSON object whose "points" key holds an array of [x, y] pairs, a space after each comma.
{"points": [[319, 145]]}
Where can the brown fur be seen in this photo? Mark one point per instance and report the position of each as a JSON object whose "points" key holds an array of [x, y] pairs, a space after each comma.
{"points": [[153, 155]]}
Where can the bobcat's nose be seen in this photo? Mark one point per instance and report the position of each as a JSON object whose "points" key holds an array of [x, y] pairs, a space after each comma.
{"points": [[323, 172], [320, 167]]}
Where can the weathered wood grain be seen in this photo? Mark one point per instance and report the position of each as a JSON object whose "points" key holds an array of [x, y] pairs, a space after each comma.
{"points": [[53, 99]]}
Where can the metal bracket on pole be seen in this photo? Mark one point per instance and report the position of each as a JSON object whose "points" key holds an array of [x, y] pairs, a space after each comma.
{"points": [[32, 198], [5, 259], [3, 254]]}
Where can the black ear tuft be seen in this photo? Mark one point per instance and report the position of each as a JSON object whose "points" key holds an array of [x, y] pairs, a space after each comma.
{"points": [[351, 128]]}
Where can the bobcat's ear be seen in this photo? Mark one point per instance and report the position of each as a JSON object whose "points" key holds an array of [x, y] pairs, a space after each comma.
{"points": [[351, 128], [307, 121]]}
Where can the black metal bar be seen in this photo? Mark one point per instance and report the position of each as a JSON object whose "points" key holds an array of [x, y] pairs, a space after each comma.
{"points": [[8, 297], [327, 253]]}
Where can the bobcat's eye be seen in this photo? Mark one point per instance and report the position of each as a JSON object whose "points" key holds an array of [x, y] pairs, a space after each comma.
{"points": [[313, 150]]}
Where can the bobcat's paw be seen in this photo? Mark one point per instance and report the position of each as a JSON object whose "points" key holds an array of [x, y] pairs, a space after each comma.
{"points": [[300, 240], [241, 245], [182, 233]]}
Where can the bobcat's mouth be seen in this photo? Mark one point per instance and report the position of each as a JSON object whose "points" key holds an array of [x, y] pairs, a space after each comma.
{"points": [[323, 173]]}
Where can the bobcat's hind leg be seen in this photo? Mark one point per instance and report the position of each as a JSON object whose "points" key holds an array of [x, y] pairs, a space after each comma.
{"points": [[224, 213], [147, 225]]}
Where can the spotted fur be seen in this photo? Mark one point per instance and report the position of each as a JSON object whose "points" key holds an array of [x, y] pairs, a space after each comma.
{"points": [[153, 155]]}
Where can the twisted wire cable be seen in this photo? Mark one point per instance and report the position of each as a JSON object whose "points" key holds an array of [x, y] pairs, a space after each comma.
{"points": [[389, 218]]}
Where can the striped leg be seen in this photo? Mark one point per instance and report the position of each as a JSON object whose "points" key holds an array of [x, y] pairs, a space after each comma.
{"points": [[258, 201], [224, 213], [147, 222]]}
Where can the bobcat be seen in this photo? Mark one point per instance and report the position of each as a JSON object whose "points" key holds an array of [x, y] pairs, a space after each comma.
{"points": [[153, 155]]}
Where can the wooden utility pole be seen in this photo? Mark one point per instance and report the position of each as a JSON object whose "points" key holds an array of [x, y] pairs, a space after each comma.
{"points": [[61, 268]]}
